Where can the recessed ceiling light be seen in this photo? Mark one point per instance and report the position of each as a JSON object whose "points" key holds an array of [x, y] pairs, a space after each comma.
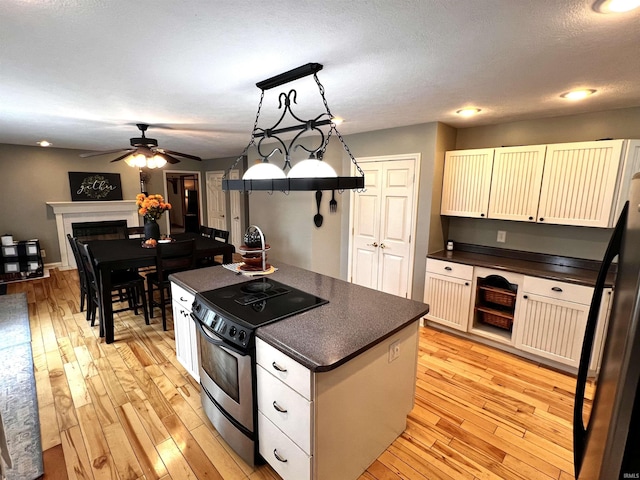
{"points": [[468, 112], [44, 143], [578, 94], [615, 6]]}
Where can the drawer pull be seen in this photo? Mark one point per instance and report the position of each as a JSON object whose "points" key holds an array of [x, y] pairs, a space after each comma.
{"points": [[279, 408], [183, 299], [448, 268], [525, 296], [278, 457], [556, 289], [278, 367]]}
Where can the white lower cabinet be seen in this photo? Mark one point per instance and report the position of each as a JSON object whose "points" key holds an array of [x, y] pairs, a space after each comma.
{"points": [[185, 330], [551, 319], [447, 291], [332, 425]]}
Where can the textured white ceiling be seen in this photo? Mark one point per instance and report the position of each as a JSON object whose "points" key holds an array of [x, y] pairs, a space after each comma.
{"points": [[82, 73]]}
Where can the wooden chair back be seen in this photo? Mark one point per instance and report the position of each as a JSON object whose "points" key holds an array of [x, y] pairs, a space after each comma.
{"points": [[174, 257], [206, 231], [221, 235]]}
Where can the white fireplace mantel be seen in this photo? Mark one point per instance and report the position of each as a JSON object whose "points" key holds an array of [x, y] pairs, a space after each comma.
{"points": [[68, 213]]}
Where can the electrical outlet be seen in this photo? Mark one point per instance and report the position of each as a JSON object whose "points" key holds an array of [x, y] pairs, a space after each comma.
{"points": [[394, 351], [43, 254], [502, 236]]}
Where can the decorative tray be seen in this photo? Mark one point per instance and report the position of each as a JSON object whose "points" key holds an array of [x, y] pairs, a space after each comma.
{"points": [[153, 245]]}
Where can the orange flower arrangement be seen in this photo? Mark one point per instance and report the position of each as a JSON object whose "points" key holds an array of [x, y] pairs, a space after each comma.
{"points": [[152, 206]]}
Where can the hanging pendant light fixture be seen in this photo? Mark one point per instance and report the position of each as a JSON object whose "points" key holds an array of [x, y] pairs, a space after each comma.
{"points": [[311, 174]]}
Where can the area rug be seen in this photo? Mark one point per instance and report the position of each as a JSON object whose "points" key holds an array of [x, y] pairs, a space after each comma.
{"points": [[18, 400]]}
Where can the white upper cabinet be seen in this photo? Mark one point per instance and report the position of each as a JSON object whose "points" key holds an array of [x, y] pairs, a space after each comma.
{"points": [[579, 183], [515, 182], [467, 182]]}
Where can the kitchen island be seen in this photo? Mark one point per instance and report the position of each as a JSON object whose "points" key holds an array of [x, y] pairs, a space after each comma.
{"points": [[345, 371]]}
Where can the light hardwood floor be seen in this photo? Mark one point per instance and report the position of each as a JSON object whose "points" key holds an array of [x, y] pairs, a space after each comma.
{"points": [[129, 410]]}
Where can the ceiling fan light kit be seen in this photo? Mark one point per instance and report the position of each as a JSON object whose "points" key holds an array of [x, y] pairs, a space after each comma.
{"points": [[144, 152], [312, 174]]}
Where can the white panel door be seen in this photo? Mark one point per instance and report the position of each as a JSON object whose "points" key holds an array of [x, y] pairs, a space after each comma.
{"points": [[515, 183], [579, 183], [396, 225], [236, 234], [466, 183], [216, 202], [383, 223], [366, 224]]}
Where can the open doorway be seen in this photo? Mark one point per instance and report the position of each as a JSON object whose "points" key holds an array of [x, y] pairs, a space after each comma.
{"points": [[183, 192]]}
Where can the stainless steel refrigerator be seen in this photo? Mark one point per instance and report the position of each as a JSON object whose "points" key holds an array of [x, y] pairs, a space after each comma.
{"points": [[608, 447]]}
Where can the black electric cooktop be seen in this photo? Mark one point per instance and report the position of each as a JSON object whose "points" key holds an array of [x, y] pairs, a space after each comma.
{"points": [[258, 302]]}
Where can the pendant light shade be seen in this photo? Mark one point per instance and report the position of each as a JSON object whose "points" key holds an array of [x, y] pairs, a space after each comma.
{"points": [[263, 171], [312, 168]]}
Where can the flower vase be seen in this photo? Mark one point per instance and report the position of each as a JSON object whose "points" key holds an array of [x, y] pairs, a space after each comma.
{"points": [[151, 229]]}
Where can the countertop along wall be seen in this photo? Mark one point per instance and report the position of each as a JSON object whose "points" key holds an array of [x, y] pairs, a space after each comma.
{"points": [[580, 242]]}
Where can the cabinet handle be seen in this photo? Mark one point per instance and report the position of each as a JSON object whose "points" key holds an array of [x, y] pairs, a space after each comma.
{"points": [[278, 457], [530, 218], [466, 284], [374, 244], [183, 299], [541, 219], [556, 289], [278, 367], [448, 269], [525, 296], [482, 214], [279, 408]]}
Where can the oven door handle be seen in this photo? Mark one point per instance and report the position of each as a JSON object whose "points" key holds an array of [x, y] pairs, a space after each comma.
{"points": [[216, 342]]}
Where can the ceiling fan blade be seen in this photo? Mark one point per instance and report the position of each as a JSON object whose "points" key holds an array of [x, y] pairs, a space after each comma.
{"points": [[185, 155], [169, 158], [122, 156], [104, 152]]}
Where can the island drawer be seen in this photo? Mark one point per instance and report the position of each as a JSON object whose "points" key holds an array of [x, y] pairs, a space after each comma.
{"points": [[286, 408], [182, 296], [284, 368], [286, 458], [450, 269]]}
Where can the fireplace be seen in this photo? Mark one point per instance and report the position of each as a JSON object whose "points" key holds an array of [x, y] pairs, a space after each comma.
{"points": [[70, 213], [105, 230]]}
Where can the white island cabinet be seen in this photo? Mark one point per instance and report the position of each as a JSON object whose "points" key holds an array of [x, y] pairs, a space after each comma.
{"points": [[332, 425], [185, 330]]}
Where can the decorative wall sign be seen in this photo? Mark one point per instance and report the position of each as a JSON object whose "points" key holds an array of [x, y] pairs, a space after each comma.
{"points": [[86, 186]]}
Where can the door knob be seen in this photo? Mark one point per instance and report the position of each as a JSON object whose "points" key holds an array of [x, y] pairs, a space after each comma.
{"points": [[382, 245], [236, 218], [374, 244]]}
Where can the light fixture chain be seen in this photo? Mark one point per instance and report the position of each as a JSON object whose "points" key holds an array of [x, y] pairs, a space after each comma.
{"points": [[333, 126], [253, 136]]}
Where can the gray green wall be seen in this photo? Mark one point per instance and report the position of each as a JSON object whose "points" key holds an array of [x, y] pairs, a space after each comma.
{"points": [[570, 241]]}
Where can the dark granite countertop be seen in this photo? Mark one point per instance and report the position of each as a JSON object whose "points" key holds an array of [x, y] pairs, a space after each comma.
{"points": [[355, 319], [566, 269]]}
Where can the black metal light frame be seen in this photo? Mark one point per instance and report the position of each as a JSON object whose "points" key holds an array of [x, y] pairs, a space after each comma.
{"points": [[285, 148]]}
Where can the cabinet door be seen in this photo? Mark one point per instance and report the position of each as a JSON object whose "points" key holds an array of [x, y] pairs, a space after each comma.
{"points": [[551, 328], [515, 183], [449, 299], [579, 182], [466, 183]]}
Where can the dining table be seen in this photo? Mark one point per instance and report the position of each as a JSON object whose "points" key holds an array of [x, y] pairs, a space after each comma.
{"points": [[122, 254]]}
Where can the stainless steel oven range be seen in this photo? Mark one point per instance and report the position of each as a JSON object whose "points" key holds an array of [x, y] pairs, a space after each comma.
{"points": [[227, 318]]}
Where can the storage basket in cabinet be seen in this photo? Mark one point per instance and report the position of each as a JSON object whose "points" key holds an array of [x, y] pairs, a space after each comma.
{"points": [[497, 319], [498, 296]]}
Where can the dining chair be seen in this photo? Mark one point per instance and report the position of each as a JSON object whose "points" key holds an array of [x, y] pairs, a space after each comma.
{"points": [[82, 275], [206, 231], [135, 232], [221, 235], [171, 258], [121, 280]]}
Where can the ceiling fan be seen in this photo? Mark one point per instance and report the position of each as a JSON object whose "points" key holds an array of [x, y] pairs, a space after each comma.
{"points": [[144, 152]]}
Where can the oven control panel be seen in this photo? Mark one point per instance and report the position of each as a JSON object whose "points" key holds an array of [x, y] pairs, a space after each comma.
{"points": [[222, 327]]}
